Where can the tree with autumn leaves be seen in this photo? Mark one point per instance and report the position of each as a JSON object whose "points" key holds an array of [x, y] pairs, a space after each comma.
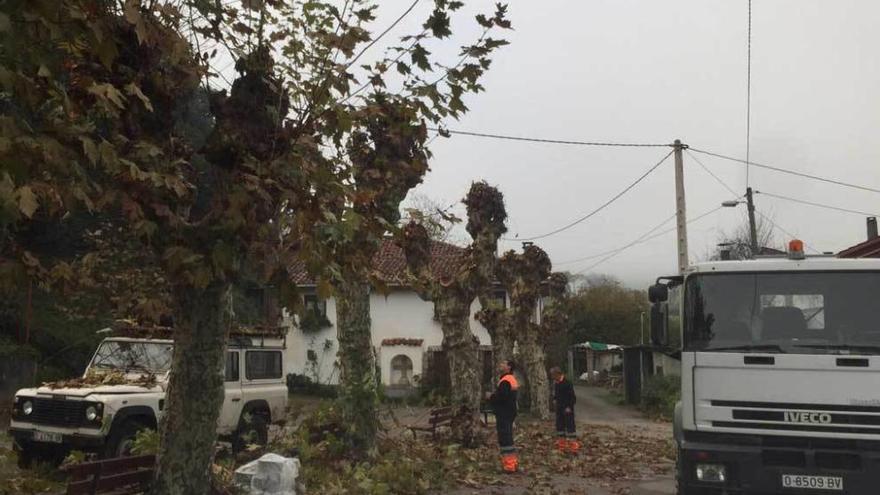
{"points": [[453, 294], [97, 98]]}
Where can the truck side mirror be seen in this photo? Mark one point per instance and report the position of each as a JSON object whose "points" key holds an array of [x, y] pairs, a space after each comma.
{"points": [[659, 325], [658, 293]]}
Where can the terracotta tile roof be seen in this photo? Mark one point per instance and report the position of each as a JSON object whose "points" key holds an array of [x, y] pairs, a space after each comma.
{"points": [[405, 342], [867, 249], [391, 263]]}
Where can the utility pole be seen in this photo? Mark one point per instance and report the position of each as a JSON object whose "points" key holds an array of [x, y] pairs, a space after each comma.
{"points": [[680, 208], [642, 327], [753, 229]]}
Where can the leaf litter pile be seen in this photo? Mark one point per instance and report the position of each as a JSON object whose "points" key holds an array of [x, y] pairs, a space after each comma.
{"points": [[95, 378], [610, 457]]}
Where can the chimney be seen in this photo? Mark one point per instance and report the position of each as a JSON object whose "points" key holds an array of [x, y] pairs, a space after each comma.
{"points": [[872, 228]]}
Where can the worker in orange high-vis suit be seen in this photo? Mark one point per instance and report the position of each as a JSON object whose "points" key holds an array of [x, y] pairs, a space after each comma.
{"points": [[564, 398], [503, 403]]}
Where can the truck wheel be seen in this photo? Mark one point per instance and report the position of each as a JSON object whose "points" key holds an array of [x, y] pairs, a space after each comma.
{"points": [[121, 439], [679, 475], [253, 430]]}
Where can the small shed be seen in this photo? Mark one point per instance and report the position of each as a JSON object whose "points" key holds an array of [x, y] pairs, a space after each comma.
{"points": [[643, 361], [591, 358]]}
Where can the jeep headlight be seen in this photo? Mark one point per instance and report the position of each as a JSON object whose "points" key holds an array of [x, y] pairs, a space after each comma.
{"points": [[27, 407], [94, 412]]}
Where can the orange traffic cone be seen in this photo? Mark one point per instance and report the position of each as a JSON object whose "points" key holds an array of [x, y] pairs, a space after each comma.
{"points": [[510, 463]]}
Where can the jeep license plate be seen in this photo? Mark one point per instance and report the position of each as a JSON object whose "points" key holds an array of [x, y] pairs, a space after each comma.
{"points": [[832, 483], [43, 436]]}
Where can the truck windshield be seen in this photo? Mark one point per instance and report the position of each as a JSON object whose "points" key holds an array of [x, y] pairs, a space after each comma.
{"points": [[801, 313], [154, 357]]}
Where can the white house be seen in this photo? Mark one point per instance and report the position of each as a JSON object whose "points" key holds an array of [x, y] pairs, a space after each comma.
{"points": [[404, 330]]}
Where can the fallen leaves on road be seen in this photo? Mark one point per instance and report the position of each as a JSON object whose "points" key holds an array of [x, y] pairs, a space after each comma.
{"points": [[610, 457]]}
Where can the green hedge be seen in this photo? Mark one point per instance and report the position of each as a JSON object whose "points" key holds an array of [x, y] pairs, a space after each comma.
{"points": [[660, 394]]}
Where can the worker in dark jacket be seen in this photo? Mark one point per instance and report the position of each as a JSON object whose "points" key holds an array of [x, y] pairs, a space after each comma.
{"points": [[503, 403], [564, 399]]}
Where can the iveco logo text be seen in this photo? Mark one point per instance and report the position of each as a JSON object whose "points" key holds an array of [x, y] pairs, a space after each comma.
{"points": [[807, 417]]}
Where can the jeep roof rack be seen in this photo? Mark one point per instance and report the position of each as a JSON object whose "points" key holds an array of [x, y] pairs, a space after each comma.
{"points": [[239, 335]]}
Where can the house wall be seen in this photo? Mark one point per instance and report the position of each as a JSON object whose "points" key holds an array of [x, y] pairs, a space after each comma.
{"points": [[399, 314], [666, 365]]}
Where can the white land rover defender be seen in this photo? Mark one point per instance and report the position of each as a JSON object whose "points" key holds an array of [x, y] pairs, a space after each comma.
{"points": [[123, 391]]}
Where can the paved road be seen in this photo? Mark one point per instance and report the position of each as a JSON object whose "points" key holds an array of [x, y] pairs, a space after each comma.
{"points": [[596, 407]]}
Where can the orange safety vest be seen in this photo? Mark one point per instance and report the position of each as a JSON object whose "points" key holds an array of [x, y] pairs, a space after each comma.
{"points": [[509, 378]]}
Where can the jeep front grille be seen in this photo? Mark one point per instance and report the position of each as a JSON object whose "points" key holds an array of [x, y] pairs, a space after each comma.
{"points": [[58, 412]]}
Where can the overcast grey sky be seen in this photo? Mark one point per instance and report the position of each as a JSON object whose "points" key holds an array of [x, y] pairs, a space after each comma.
{"points": [[653, 71]]}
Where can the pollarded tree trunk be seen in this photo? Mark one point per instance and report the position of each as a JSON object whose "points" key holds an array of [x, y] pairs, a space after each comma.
{"points": [[502, 342], [498, 326], [462, 350], [465, 370], [358, 395], [534, 360], [195, 390]]}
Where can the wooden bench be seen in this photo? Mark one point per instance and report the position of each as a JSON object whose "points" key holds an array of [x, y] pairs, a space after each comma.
{"points": [[486, 410], [438, 417], [123, 475]]}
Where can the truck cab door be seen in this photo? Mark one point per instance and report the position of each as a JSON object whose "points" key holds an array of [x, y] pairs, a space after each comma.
{"points": [[232, 398]]}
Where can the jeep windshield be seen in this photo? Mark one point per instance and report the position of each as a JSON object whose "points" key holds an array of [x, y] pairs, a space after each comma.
{"points": [[132, 357], [783, 312]]}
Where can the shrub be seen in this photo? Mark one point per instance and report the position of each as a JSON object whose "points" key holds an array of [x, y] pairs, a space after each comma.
{"points": [[304, 385], [660, 394], [146, 442]]}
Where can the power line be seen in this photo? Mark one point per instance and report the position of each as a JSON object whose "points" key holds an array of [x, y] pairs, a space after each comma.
{"points": [[599, 255], [647, 237], [789, 234], [554, 141], [749, 97], [709, 171], [765, 217], [597, 210], [786, 171], [381, 35], [820, 205]]}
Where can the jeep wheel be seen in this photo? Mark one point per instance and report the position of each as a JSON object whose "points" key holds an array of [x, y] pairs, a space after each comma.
{"points": [[25, 458], [121, 439], [251, 430]]}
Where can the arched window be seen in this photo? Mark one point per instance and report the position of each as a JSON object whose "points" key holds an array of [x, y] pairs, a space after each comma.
{"points": [[401, 371]]}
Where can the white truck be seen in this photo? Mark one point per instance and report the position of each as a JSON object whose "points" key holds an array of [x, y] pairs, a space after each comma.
{"points": [[780, 375], [123, 391]]}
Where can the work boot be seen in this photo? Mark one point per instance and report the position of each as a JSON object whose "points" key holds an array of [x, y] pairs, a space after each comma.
{"points": [[573, 446], [510, 463], [561, 445]]}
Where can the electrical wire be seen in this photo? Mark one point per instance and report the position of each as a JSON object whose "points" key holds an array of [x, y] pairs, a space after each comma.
{"points": [[786, 171], [709, 171], [820, 205], [554, 141], [382, 34], [606, 253], [597, 210], [789, 234], [765, 217], [647, 237]]}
